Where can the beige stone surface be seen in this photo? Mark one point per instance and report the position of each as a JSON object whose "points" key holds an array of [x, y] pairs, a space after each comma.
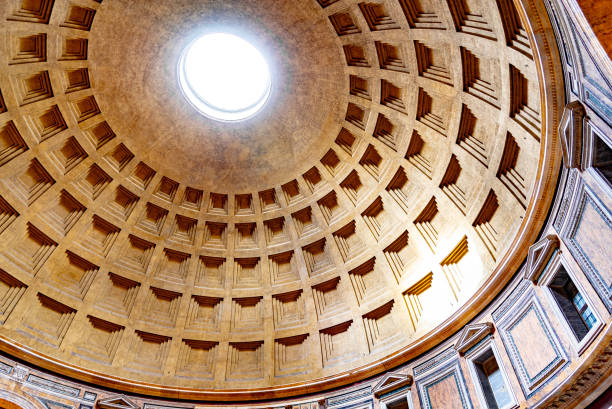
{"points": [[372, 197], [144, 103]]}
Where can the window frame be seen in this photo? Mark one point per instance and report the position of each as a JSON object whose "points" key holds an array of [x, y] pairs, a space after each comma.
{"points": [[396, 397], [555, 264], [591, 134], [475, 353]]}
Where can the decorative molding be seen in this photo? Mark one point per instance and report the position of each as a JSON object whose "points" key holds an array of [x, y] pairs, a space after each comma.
{"points": [[597, 274], [391, 382], [116, 402], [90, 396], [583, 381], [158, 406], [538, 256], [20, 373], [510, 300], [345, 400], [525, 306], [53, 386], [435, 361], [51, 404], [471, 335], [570, 132], [5, 368], [568, 192], [442, 373]]}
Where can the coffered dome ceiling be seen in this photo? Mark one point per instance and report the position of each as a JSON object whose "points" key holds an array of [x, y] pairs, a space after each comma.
{"points": [[382, 197], [298, 124]]}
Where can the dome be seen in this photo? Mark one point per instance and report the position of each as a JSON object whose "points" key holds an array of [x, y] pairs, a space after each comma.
{"points": [[385, 192]]}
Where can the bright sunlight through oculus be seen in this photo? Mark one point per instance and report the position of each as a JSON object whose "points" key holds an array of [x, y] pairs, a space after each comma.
{"points": [[224, 77]]}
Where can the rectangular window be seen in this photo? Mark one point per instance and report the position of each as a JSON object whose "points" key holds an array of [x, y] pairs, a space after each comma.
{"points": [[572, 304], [492, 382]]}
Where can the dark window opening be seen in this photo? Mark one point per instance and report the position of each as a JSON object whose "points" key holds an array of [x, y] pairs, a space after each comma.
{"points": [[572, 304], [398, 404], [603, 159], [492, 381]]}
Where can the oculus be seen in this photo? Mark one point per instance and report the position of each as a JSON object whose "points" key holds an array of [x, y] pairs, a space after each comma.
{"points": [[224, 77]]}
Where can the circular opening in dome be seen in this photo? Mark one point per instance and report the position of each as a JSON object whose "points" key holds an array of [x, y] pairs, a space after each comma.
{"points": [[224, 77]]}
